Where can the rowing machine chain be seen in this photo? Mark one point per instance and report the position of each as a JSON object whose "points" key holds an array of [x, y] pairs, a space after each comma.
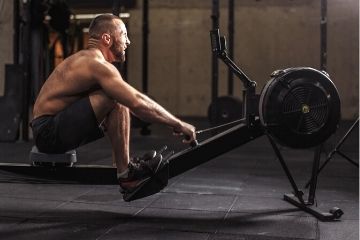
{"points": [[219, 126]]}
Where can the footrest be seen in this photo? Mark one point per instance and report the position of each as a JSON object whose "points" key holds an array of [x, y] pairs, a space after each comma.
{"points": [[44, 159], [153, 185], [333, 215]]}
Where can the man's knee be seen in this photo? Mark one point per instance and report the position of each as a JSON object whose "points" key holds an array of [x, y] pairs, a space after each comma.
{"points": [[101, 104], [123, 110]]}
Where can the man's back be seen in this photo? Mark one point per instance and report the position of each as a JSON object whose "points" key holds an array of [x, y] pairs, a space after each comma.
{"points": [[70, 80]]}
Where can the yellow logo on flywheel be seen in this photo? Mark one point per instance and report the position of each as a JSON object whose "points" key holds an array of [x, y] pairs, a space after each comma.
{"points": [[305, 108]]}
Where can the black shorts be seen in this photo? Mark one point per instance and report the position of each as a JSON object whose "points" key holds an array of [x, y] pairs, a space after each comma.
{"points": [[76, 125]]}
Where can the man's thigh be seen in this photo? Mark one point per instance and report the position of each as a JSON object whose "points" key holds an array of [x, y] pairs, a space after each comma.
{"points": [[77, 125]]}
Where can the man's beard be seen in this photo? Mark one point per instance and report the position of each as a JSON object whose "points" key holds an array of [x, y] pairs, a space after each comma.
{"points": [[119, 56]]}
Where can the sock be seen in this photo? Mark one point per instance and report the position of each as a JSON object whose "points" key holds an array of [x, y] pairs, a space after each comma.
{"points": [[123, 174]]}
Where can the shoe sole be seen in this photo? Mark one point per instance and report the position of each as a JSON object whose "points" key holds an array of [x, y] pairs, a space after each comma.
{"points": [[131, 190]]}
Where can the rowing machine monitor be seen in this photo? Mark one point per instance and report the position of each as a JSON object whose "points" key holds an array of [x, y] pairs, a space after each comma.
{"points": [[215, 41]]}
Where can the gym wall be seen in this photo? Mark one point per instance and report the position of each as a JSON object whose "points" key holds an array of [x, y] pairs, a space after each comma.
{"points": [[6, 39], [269, 35]]}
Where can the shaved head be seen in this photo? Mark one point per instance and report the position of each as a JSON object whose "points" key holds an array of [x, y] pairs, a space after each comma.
{"points": [[105, 23]]}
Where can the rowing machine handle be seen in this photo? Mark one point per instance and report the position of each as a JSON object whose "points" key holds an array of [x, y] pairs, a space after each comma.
{"points": [[193, 143]]}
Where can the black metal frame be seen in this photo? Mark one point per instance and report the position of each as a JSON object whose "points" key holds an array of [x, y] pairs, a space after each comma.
{"points": [[215, 15], [218, 44], [145, 46], [24, 60], [213, 147], [249, 94], [323, 35], [297, 197], [338, 146], [231, 29], [337, 150]]}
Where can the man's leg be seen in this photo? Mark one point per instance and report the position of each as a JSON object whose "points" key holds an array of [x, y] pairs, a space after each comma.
{"points": [[117, 122], [118, 130]]}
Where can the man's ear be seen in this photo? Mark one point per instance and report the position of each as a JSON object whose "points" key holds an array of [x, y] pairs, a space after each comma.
{"points": [[106, 38]]}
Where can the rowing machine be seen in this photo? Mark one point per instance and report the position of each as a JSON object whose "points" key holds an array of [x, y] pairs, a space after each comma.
{"points": [[298, 108]]}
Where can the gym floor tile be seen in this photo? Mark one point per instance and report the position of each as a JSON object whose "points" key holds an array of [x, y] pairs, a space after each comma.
{"points": [[268, 224], [344, 184], [339, 169], [210, 184], [44, 229], [87, 213], [230, 164], [205, 202], [299, 167], [110, 195], [181, 220], [131, 231], [248, 237], [70, 221], [336, 194], [266, 206], [8, 222], [267, 186], [344, 230], [25, 208], [44, 191]]}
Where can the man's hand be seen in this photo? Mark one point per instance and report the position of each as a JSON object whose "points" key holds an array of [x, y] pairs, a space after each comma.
{"points": [[187, 130]]}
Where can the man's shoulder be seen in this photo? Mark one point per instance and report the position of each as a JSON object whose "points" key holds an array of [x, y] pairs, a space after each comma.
{"points": [[102, 69], [99, 68], [85, 58]]}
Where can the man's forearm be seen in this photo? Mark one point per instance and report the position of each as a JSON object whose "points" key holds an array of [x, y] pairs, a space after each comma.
{"points": [[150, 111]]}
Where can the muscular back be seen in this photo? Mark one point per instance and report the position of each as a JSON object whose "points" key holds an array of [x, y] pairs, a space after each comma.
{"points": [[71, 80]]}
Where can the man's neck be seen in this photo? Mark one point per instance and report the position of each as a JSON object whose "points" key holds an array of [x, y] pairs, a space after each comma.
{"points": [[94, 44]]}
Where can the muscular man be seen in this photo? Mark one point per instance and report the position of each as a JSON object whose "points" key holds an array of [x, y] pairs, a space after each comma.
{"points": [[86, 93]]}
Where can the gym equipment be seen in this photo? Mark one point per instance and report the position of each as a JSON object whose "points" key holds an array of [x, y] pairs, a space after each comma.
{"points": [[215, 15], [228, 108], [42, 159], [11, 103], [337, 150], [249, 128], [224, 109], [60, 15], [300, 107], [298, 97], [323, 35], [24, 59], [338, 146]]}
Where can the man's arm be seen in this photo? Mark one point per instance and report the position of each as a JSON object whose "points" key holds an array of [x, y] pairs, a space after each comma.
{"points": [[139, 104]]}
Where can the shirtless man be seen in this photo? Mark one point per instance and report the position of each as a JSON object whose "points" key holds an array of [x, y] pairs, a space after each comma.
{"points": [[86, 93]]}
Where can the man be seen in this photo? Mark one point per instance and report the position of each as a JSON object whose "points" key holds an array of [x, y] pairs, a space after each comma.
{"points": [[86, 93]]}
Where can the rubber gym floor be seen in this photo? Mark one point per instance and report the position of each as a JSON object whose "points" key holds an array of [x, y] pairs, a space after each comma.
{"points": [[235, 196]]}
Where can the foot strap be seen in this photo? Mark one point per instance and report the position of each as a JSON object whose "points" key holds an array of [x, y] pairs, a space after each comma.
{"points": [[153, 185]]}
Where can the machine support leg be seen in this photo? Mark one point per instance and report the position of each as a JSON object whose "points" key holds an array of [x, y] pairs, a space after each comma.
{"points": [[337, 150], [313, 183], [337, 147], [299, 194], [296, 199]]}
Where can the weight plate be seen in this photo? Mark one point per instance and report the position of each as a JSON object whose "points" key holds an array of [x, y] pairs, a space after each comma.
{"points": [[224, 109]]}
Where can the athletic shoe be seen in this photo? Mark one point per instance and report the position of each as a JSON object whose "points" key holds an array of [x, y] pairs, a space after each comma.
{"points": [[139, 172]]}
